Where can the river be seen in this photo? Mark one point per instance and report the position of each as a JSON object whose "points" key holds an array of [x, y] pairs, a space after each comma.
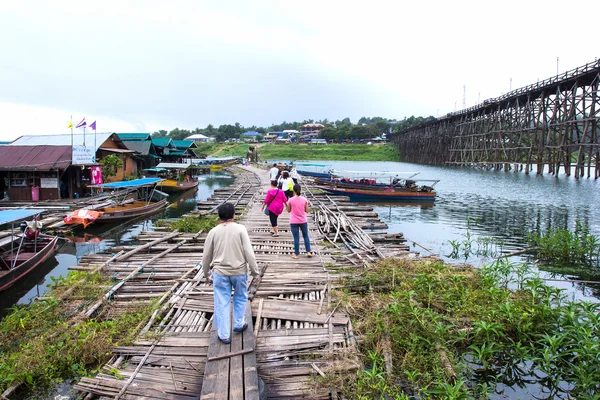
{"points": [[102, 238], [493, 209]]}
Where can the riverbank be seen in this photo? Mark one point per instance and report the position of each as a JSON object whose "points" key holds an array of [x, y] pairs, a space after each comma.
{"points": [[301, 151]]}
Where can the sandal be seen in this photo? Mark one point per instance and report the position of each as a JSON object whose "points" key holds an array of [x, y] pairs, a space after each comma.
{"points": [[242, 329], [225, 341], [274, 235], [309, 254], [295, 257]]}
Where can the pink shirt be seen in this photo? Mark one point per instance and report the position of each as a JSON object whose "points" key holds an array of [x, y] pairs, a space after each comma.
{"points": [[297, 206], [276, 205]]}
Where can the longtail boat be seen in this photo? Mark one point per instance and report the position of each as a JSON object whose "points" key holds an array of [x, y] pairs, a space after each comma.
{"points": [[314, 170], [123, 209], [173, 184], [19, 255], [378, 186]]}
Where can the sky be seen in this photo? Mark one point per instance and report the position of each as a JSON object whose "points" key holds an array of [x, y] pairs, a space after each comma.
{"points": [[141, 66]]}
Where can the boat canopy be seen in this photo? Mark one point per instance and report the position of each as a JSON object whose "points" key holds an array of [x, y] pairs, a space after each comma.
{"points": [[8, 216], [166, 165], [381, 174], [155, 169], [130, 184], [312, 165]]}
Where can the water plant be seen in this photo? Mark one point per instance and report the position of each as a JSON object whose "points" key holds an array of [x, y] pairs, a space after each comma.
{"points": [[457, 332], [560, 245], [191, 224]]}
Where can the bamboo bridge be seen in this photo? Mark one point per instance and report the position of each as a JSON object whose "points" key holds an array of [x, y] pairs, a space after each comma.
{"points": [[297, 330], [551, 123]]}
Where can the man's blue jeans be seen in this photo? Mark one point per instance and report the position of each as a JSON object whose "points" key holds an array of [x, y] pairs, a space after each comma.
{"points": [[222, 288], [296, 228]]}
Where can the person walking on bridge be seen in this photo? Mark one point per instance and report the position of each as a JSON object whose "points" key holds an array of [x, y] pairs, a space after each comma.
{"points": [[274, 173], [227, 249], [297, 206], [273, 206]]}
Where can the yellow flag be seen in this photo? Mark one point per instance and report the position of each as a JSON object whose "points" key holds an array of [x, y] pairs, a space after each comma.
{"points": [[70, 124]]}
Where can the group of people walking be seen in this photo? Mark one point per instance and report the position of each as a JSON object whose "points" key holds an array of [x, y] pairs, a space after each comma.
{"points": [[286, 193], [228, 252]]}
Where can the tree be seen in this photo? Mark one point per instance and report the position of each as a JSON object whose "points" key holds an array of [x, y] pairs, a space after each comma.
{"points": [[360, 132], [259, 138], [160, 133], [110, 165], [328, 133]]}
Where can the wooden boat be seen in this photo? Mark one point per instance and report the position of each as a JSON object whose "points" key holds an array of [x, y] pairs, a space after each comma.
{"points": [[126, 211], [172, 172], [125, 208], [174, 186], [379, 186], [19, 255], [389, 195]]}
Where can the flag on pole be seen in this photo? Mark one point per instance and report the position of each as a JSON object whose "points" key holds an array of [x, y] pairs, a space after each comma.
{"points": [[93, 125], [81, 124], [70, 125]]}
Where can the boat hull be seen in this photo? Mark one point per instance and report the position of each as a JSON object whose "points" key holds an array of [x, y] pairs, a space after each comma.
{"points": [[381, 196], [28, 264], [351, 185], [136, 209], [314, 174], [173, 186]]}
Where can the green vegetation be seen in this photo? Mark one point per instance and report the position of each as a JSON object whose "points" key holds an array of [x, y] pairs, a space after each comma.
{"points": [[431, 330], [353, 152], [191, 224], [111, 163], [567, 247], [335, 151], [49, 341], [481, 247]]}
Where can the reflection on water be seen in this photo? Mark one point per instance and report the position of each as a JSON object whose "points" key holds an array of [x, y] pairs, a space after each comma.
{"points": [[101, 237], [504, 206]]}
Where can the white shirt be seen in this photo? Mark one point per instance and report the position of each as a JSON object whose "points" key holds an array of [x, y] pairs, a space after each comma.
{"points": [[273, 173]]}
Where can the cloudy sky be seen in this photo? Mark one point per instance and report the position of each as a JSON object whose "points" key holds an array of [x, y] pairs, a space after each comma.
{"points": [[139, 66]]}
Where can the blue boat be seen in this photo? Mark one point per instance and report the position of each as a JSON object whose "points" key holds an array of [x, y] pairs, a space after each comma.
{"points": [[314, 170]]}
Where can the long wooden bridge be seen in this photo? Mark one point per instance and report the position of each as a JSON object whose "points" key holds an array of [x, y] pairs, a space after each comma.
{"points": [[551, 123], [298, 331]]}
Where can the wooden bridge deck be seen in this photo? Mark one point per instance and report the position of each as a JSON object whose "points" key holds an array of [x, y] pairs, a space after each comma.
{"points": [[297, 331]]}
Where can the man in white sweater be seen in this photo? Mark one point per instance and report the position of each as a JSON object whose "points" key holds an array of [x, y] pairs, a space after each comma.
{"points": [[227, 249]]}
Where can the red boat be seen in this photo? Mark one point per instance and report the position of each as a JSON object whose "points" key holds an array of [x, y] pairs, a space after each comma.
{"points": [[20, 255]]}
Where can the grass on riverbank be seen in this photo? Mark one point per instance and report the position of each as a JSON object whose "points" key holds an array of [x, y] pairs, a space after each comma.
{"points": [[293, 151], [49, 340], [432, 330]]}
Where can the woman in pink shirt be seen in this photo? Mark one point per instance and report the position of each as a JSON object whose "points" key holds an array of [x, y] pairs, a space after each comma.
{"points": [[297, 206], [274, 201]]}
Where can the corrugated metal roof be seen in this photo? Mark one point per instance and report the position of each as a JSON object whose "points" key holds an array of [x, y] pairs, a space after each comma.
{"points": [[134, 136], [34, 158], [63, 140], [184, 144], [162, 142], [142, 147]]}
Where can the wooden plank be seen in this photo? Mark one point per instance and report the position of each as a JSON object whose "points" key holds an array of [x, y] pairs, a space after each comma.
{"points": [[215, 372], [250, 372], [236, 367]]}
